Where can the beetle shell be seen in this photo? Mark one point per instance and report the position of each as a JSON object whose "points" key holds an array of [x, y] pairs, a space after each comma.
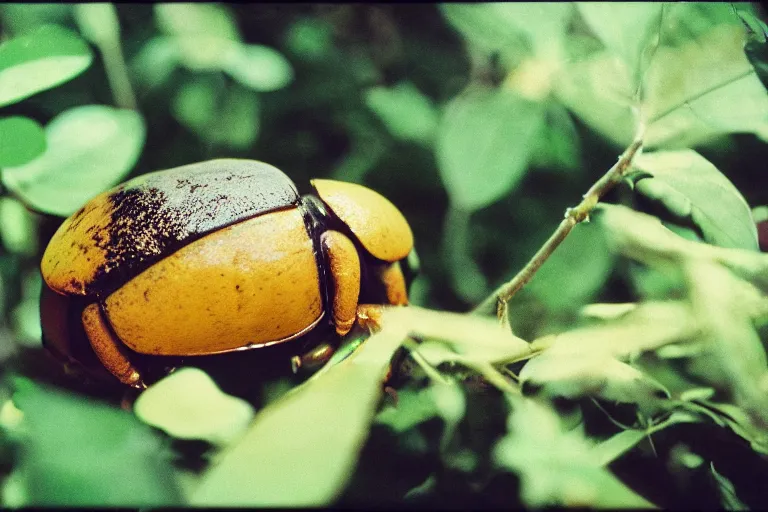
{"points": [[215, 257], [125, 230]]}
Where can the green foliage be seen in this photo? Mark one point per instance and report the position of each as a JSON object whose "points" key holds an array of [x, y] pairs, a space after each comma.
{"points": [[43, 59], [484, 143], [23, 139], [66, 439], [637, 370], [89, 148]]}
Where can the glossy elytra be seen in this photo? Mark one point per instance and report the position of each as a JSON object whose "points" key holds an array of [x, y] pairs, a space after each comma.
{"points": [[216, 257]]}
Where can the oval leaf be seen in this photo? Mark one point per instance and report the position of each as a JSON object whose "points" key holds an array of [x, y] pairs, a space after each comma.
{"points": [[692, 188], [90, 148], [484, 143], [301, 449], [625, 28], [23, 139], [258, 67], [188, 405], [40, 60], [406, 112]]}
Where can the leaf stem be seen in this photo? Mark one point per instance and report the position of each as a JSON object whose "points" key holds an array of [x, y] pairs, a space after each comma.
{"points": [[117, 74], [501, 296]]}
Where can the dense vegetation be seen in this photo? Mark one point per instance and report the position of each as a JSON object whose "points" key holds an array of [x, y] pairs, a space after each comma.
{"points": [[637, 371]]}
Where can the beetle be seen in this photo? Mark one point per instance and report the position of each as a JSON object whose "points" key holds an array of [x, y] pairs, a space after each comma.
{"points": [[217, 257]]}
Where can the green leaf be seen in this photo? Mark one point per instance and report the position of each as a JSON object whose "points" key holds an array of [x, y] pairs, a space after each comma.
{"points": [[45, 58], [559, 144], [98, 22], [310, 38], [405, 111], [90, 149], [188, 405], [703, 84], [728, 497], [205, 33], [20, 18], [557, 467], [499, 26], [484, 143], [258, 67], [230, 119], [576, 271], [574, 376], [156, 61], [598, 89], [18, 227], [67, 438], [301, 450], [692, 188], [195, 103], [626, 29], [23, 139]]}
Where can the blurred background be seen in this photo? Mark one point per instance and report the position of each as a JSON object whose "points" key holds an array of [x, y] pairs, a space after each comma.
{"points": [[430, 105]]}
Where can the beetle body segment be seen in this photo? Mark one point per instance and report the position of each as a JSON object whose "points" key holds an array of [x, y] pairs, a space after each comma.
{"points": [[371, 217], [248, 284], [216, 257]]}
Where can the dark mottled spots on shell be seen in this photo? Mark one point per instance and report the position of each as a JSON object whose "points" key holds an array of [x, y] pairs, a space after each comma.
{"points": [[76, 285], [156, 214]]}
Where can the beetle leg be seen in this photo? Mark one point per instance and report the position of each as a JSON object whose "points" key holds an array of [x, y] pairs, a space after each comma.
{"points": [[392, 277], [344, 268], [109, 349]]}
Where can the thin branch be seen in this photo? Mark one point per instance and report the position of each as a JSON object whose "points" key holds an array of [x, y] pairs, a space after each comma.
{"points": [[573, 216]]}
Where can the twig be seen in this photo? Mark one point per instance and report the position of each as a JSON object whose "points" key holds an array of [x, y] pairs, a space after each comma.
{"points": [[501, 296]]}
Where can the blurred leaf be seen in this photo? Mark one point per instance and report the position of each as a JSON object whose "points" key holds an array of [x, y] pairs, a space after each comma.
{"points": [[313, 435], [229, 119], [643, 238], [556, 467], [559, 144], [728, 497], [484, 143], [40, 60], [592, 375], [67, 439], [703, 85], [406, 112], [156, 61], [258, 67], [736, 345], [26, 315], [26, 17], [197, 19], [467, 279], [205, 33], [417, 406], [693, 189], [598, 89], [627, 29], [310, 38], [615, 446], [98, 22], [195, 103], [18, 227], [576, 271], [757, 53], [23, 139], [498, 26], [90, 148], [188, 405], [477, 338], [699, 68]]}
